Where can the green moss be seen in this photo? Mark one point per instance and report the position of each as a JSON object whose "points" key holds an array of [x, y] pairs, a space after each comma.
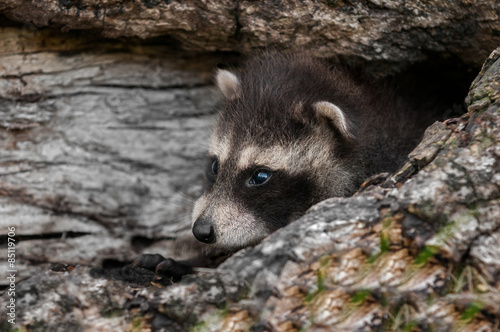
{"points": [[224, 309], [425, 255], [359, 297], [321, 280], [408, 327], [471, 311], [486, 142], [483, 142], [310, 296], [324, 260], [137, 324], [320, 287], [387, 220], [385, 242], [384, 300], [200, 327], [399, 318], [110, 311], [6, 326], [212, 321], [448, 230]]}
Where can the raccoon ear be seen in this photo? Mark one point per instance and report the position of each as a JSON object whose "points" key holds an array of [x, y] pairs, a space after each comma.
{"points": [[336, 117], [227, 83]]}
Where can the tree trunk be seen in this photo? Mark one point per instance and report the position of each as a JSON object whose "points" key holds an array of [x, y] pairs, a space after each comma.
{"points": [[389, 33], [101, 155]]}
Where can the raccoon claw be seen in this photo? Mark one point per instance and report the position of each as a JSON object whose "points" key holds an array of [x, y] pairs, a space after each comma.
{"points": [[148, 261], [171, 270], [167, 270]]}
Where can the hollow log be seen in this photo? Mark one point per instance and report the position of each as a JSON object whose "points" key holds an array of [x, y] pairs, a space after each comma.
{"points": [[105, 111]]}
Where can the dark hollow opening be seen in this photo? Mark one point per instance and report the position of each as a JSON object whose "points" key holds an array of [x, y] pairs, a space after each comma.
{"points": [[441, 82]]}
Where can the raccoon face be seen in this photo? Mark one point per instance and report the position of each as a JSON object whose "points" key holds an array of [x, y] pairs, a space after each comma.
{"points": [[246, 198], [269, 161]]}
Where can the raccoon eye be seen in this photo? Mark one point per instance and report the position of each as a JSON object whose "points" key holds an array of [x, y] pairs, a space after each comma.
{"points": [[259, 177], [215, 167]]}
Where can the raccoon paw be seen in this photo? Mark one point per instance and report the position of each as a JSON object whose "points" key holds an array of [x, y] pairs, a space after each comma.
{"points": [[171, 270], [148, 261], [167, 271]]}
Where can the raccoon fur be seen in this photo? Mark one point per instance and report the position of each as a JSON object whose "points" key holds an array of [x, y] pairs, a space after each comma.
{"points": [[293, 131]]}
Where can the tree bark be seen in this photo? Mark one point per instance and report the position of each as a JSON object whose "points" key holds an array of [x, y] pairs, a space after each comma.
{"points": [[101, 156], [394, 33], [99, 151], [419, 254]]}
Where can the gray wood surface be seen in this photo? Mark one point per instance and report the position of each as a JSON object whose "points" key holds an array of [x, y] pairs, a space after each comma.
{"points": [[101, 156], [97, 149], [389, 33]]}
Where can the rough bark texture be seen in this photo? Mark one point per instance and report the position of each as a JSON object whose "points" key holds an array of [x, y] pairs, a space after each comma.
{"points": [[101, 146], [416, 255], [110, 152], [392, 32]]}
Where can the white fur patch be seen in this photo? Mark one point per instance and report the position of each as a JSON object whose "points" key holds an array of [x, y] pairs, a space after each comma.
{"points": [[247, 157], [220, 147], [294, 158], [274, 157], [236, 227], [227, 83], [199, 206], [333, 113]]}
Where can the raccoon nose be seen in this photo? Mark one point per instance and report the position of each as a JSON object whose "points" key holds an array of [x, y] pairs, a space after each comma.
{"points": [[204, 231]]}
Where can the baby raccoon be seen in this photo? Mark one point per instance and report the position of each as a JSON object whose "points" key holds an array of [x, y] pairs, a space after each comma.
{"points": [[293, 131]]}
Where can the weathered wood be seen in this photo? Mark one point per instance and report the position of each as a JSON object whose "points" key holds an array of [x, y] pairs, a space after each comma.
{"points": [[419, 254], [101, 145], [389, 32], [97, 149]]}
